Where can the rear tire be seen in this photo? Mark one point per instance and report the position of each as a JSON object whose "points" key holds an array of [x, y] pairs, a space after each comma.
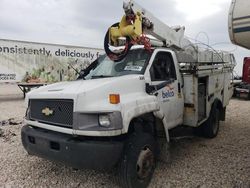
{"points": [[138, 161], [211, 126]]}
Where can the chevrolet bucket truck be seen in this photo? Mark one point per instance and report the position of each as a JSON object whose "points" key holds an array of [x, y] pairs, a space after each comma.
{"points": [[121, 108]]}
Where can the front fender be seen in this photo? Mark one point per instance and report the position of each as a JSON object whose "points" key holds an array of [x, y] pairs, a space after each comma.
{"points": [[136, 106]]}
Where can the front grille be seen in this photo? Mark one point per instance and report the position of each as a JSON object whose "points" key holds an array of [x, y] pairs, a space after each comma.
{"points": [[52, 111]]}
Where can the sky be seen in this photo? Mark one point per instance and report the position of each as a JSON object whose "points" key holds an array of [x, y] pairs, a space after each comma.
{"points": [[85, 22]]}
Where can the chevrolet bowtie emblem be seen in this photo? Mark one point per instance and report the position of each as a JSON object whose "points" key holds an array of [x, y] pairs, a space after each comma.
{"points": [[47, 112]]}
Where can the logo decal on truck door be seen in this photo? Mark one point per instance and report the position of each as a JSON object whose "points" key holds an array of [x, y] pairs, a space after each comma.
{"points": [[168, 92]]}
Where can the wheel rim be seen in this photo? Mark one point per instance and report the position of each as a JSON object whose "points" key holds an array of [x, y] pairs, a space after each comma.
{"points": [[145, 163]]}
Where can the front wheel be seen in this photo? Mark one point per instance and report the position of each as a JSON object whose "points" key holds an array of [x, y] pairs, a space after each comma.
{"points": [[138, 161]]}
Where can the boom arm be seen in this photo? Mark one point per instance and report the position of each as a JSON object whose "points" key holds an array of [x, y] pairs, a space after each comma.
{"points": [[171, 37], [135, 25], [138, 22]]}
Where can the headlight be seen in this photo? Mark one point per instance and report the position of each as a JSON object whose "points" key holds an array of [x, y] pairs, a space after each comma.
{"points": [[104, 120], [98, 122]]}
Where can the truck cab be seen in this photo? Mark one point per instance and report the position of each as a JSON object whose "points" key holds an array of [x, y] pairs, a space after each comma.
{"points": [[242, 89], [246, 70], [143, 82], [117, 113]]}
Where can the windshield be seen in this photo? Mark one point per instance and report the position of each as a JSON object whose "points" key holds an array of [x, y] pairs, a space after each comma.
{"points": [[134, 63]]}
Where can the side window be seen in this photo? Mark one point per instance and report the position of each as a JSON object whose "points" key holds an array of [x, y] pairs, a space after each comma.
{"points": [[163, 67]]}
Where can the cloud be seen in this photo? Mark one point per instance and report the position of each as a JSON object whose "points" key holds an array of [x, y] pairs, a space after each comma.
{"points": [[213, 30], [198, 10]]}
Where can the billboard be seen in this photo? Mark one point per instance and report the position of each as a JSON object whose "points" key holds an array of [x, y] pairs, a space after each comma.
{"points": [[40, 62]]}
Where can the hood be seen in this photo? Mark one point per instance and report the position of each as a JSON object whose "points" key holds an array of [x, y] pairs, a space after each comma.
{"points": [[92, 92], [67, 88]]}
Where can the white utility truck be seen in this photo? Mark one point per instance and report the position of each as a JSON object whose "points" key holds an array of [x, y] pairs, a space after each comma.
{"points": [[121, 108]]}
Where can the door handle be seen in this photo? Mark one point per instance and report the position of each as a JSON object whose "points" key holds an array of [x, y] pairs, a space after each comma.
{"points": [[179, 87]]}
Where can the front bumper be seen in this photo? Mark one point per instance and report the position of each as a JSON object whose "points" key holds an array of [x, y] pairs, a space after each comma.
{"points": [[76, 152], [242, 93]]}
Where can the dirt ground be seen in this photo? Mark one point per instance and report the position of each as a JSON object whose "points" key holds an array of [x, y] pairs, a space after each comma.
{"points": [[194, 162]]}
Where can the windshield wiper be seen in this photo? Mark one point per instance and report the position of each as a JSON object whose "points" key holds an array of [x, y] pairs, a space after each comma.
{"points": [[101, 76]]}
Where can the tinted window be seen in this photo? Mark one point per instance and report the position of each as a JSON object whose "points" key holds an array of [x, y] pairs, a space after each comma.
{"points": [[163, 67]]}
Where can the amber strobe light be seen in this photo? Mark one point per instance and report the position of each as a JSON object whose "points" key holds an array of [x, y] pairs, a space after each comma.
{"points": [[114, 98]]}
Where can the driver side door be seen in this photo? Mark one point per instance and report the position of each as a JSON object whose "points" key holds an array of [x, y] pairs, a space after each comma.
{"points": [[163, 73]]}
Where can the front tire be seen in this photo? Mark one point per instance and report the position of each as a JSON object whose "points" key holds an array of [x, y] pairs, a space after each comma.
{"points": [[138, 161]]}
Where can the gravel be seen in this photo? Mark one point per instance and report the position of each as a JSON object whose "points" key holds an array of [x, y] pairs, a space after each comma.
{"points": [[192, 162]]}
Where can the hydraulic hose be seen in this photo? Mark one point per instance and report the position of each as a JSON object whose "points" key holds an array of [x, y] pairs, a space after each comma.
{"points": [[116, 56]]}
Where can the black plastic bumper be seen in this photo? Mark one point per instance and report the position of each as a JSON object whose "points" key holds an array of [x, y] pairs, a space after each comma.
{"points": [[78, 153]]}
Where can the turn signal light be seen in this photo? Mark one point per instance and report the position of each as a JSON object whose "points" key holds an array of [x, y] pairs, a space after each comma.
{"points": [[114, 98]]}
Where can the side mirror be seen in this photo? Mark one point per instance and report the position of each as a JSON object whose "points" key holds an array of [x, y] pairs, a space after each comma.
{"points": [[150, 89]]}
